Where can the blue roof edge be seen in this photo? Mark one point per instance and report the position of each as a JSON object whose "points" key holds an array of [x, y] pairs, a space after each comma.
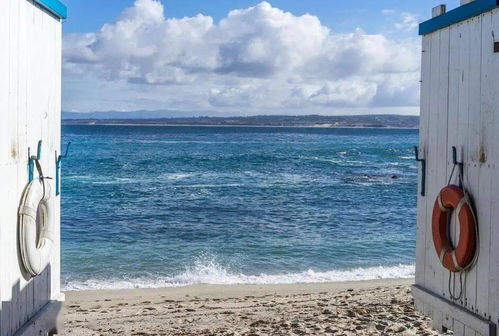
{"points": [[55, 7], [456, 15]]}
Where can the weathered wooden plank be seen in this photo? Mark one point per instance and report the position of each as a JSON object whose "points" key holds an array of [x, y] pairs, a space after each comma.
{"points": [[4, 83], [419, 305], [459, 328], [34, 126], [472, 169], [453, 118], [442, 115], [55, 122], [480, 152], [448, 322], [43, 320], [423, 145], [458, 313], [26, 290], [490, 104], [469, 331], [432, 276], [437, 320], [10, 283], [4, 144], [461, 141]]}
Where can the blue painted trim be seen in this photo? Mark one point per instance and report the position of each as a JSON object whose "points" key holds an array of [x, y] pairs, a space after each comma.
{"points": [[58, 162], [456, 15], [55, 7]]}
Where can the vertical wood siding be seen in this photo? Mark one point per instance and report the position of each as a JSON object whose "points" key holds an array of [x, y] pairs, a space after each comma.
{"points": [[30, 82], [460, 107]]}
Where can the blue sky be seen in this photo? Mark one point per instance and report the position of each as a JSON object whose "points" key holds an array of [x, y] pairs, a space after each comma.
{"points": [[342, 15], [272, 57]]}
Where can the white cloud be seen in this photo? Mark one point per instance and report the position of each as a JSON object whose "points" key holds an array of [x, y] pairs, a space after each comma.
{"points": [[255, 59], [344, 93], [388, 12], [408, 22]]}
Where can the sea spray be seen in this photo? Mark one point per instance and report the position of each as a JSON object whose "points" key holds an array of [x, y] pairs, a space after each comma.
{"points": [[207, 271]]}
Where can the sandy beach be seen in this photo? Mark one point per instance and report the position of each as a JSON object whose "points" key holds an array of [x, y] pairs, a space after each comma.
{"points": [[383, 307]]}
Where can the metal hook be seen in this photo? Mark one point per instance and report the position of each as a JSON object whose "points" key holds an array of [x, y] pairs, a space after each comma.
{"points": [[459, 164], [423, 170], [58, 161], [32, 159]]}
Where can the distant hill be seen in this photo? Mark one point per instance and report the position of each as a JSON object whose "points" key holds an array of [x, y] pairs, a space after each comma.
{"points": [[141, 114], [378, 121]]}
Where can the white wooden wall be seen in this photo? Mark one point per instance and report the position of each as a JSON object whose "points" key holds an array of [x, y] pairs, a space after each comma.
{"points": [[30, 89], [460, 107]]}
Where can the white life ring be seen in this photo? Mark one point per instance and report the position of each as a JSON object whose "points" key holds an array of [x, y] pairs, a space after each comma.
{"points": [[36, 231]]}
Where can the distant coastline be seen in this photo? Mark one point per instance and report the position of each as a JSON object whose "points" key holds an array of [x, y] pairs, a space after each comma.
{"points": [[312, 121]]}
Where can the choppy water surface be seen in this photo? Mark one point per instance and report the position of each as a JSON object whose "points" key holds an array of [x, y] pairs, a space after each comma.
{"points": [[166, 206]]}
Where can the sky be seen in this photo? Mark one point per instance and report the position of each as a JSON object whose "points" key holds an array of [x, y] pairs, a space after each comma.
{"points": [[240, 57]]}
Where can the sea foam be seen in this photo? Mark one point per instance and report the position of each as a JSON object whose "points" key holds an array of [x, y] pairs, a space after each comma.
{"points": [[209, 272]]}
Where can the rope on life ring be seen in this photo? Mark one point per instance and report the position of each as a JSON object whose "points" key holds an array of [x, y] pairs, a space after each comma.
{"points": [[36, 231], [457, 259], [462, 256]]}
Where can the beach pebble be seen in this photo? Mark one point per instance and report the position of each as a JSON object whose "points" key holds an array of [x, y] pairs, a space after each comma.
{"points": [[396, 328]]}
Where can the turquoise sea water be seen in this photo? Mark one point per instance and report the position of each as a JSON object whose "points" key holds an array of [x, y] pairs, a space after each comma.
{"points": [[168, 206]]}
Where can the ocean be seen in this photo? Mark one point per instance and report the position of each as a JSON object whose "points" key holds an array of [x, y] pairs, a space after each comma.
{"points": [[147, 206]]}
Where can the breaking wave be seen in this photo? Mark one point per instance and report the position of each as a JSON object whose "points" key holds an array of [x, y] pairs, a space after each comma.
{"points": [[205, 271]]}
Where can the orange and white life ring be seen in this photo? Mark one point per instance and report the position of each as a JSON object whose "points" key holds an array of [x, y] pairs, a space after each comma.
{"points": [[453, 199]]}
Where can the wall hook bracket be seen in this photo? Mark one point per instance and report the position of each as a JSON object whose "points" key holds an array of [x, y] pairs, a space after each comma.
{"points": [[423, 170], [459, 164], [58, 161], [32, 159]]}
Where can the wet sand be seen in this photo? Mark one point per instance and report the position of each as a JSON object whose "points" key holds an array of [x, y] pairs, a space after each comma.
{"points": [[383, 307]]}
